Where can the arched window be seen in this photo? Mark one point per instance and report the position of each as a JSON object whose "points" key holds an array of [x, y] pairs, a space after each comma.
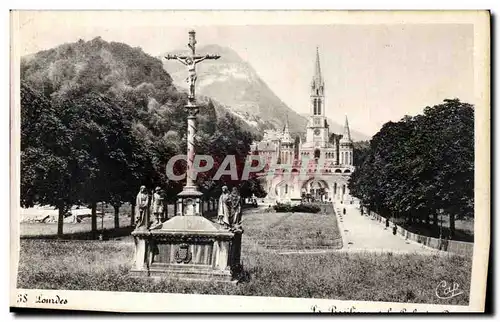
{"points": [[343, 189], [338, 171], [334, 188], [319, 107], [317, 153], [347, 171]]}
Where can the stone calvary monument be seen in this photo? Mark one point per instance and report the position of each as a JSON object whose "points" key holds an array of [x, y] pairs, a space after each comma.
{"points": [[188, 246]]}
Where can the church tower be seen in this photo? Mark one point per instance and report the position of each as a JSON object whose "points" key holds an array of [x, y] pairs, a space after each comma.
{"points": [[287, 145], [317, 128], [346, 146]]}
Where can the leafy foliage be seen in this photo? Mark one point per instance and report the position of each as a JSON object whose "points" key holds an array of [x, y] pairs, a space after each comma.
{"points": [[421, 166], [100, 118]]}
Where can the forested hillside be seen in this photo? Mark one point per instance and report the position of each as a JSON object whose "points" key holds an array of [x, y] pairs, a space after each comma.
{"points": [[100, 118]]}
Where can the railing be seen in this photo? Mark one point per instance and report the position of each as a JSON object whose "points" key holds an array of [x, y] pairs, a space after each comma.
{"points": [[452, 246]]}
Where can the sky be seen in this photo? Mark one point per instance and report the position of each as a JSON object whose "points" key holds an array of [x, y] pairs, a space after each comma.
{"points": [[373, 73]]}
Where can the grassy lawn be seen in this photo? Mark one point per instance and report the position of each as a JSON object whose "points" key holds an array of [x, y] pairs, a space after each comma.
{"points": [[37, 229], [292, 230], [50, 229], [104, 266]]}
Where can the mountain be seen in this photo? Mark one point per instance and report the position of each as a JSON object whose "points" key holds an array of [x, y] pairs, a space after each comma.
{"points": [[233, 83], [115, 69]]}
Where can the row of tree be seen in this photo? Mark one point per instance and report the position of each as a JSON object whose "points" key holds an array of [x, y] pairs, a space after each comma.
{"points": [[100, 119], [421, 167]]}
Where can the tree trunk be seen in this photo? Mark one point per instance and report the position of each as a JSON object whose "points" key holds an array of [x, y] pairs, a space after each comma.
{"points": [[117, 218], [93, 208], [452, 225], [132, 213], [60, 222]]}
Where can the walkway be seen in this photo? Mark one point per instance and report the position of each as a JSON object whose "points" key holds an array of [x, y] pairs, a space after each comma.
{"points": [[362, 233]]}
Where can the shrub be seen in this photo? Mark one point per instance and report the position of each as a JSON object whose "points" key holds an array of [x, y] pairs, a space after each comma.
{"points": [[286, 207], [307, 208], [283, 207]]}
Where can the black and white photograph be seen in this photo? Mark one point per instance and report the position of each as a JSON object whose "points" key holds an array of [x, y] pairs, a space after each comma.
{"points": [[246, 161]]}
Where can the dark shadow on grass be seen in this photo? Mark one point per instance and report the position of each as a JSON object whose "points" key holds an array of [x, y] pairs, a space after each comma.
{"points": [[244, 276], [87, 235], [434, 231]]}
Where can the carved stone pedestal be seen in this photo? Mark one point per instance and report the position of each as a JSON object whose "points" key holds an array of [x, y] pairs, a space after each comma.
{"points": [[188, 247]]}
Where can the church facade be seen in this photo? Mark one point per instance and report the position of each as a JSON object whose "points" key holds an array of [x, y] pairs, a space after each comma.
{"points": [[317, 168]]}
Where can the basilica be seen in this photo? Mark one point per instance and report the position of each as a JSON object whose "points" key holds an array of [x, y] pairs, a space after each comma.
{"points": [[318, 167]]}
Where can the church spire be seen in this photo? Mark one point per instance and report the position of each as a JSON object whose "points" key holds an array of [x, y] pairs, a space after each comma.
{"points": [[317, 89], [287, 138], [286, 128], [346, 137], [317, 70]]}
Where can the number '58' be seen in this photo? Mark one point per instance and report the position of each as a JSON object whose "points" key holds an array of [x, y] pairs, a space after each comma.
{"points": [[22, 298]]}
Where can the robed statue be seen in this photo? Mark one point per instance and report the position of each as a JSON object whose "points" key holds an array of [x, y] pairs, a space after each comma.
{"points": [[142, 204], [224, 208], [229, 214], [157, 205], [235, 209]]}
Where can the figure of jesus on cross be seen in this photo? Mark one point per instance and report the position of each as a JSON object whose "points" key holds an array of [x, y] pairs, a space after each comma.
{"points": [[190, 61]]}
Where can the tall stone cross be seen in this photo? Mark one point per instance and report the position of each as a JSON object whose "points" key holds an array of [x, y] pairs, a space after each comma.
{"points": [[190, 62], [190, 195]]}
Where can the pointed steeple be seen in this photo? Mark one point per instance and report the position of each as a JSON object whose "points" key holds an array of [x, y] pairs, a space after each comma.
{"points": [[286, 127], [287, 138], [317, 89], [317, 81], [346, 137], [317, 70]]}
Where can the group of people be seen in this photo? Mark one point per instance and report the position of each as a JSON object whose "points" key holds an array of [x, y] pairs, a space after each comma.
{"points": [[142, 205], [228, 215]]}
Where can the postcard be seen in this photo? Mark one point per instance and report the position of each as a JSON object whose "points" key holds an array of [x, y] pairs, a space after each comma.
{"points": [[250, 161]]}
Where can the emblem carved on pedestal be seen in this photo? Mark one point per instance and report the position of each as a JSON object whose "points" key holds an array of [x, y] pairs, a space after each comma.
{"points": [[182, 254]]}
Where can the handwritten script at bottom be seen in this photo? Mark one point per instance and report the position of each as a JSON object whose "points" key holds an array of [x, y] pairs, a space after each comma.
{"points": [[445, 290]]}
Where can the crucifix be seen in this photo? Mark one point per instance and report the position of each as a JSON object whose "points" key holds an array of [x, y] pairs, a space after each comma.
{"points": [[190, 62], [189, 199]]}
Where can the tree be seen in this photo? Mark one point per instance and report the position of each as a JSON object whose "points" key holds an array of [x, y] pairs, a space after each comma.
{"points": [[49, 175], [110, 156], [121, 121], [421, 165], [360, 152]]}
